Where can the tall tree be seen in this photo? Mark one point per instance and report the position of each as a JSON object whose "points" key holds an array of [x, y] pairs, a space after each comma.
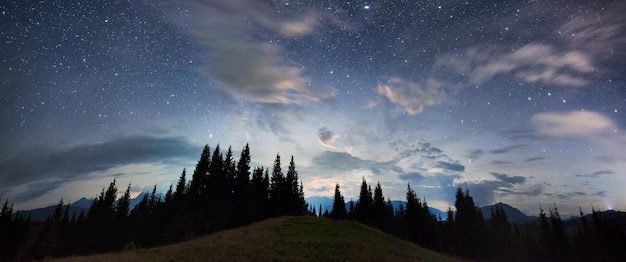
{"points": [[242, 177], [339, 205], [470, 226], [199, 179], [260, 187], [365, 204], [293, 192], [230, 171], [276, 188], [123, 205], [181, 188], [379, 208]]}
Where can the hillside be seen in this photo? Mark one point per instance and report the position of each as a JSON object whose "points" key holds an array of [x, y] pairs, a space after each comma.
{"points": [[287, 239]]}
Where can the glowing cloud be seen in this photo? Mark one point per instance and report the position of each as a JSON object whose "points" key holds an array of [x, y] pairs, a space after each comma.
{"points": [[411, 96], [252, 70], [326, 137], [572, 124]]}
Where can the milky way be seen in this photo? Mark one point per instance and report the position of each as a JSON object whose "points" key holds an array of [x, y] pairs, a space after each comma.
{"points": [[521, 102]]}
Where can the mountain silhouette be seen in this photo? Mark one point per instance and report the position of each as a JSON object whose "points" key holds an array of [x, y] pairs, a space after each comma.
{"points": [[513, 215]]}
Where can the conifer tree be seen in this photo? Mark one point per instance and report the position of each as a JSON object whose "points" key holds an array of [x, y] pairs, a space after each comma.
{"points": [[260, 185], [276, 188], [379, 208], [230, 171], [123, 205], [181, 188], [242, 179], [470, 226], [292, 192], [365, 204], [339, 205], [47, 240], [199, 180]]}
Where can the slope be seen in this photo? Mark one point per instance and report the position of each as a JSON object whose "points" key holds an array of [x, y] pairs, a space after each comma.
{"points": [[286, 239]]}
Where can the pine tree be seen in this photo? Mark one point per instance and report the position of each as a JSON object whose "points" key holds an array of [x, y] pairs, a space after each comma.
{"points": [[339, 205], [365, 204], [230, 171], [242, 179], [260, 187], [123, 205], [500, 233], [470, 226], [47, 240], [181, 189], [293, 192], [379, 211], [199, 180], [276, 188]]}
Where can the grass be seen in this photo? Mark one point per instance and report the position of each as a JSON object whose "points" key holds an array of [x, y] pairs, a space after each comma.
{"points": [[284, 239]]}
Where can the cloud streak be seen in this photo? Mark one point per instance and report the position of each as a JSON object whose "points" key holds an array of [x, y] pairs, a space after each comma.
{"points": [[253, 70], [70, 164], [572, 124], [326, 137], [412, 97]]}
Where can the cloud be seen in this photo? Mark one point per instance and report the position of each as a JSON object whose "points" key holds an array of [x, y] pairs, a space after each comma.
{"points": [[509, 179], [410, 96], [301, 26], [500, 162], [534, 62], [252, 70], [533, 159], [342, 162], [38, 169], [506, 149], [475, 154], [451, 166], [610, 159], [326, 137], [597, 174], [572, 124], [570, 57]]}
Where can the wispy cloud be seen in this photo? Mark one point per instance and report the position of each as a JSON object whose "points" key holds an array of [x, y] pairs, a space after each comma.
{"points": [[572, 124], [534, 62], [251, 69], [505, 149], [508, 178], [475, 154], [75, 163], [533, 159], [596, 174], [326, 137], [412, 97]]}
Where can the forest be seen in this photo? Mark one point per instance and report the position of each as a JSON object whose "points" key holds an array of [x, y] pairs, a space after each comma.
{"points": [[224, 193]]}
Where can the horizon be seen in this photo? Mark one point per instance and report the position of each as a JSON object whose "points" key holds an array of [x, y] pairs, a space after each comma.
{"points": [[318, 201], [519, 102]]}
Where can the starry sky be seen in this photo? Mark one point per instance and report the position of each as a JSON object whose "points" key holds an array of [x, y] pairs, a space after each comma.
{"points": [[522, 102]]}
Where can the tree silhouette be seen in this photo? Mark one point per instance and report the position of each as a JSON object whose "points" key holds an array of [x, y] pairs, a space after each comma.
{"points": [[276, 189], [469, 226], [422, 224], [181, 189], [364, 206], [379, 209], [339, 205]]}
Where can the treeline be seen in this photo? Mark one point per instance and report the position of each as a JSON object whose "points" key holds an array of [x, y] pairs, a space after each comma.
{"points": [[225, 193], [466, 234], [222, 193]]}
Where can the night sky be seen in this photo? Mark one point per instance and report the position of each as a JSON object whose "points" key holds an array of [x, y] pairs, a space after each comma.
{"points": [[522, 102]]}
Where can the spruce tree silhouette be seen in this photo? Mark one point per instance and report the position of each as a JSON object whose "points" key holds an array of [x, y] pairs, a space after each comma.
{"points": [[339, 205]]}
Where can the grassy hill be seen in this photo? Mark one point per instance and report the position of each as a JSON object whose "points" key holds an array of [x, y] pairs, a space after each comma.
{"points": [[286, 239]]}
